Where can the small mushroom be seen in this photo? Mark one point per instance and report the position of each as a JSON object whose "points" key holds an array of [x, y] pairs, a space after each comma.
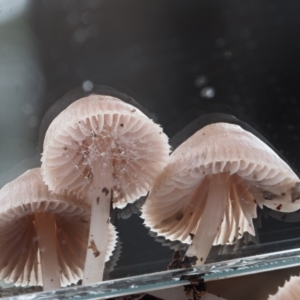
{"points": [[290, 290], [209, 191], [107, 151], [43, 235]]}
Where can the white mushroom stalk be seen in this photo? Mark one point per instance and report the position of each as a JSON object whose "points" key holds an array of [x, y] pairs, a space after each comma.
{"points": [[208, 193], [211, 219], [43, 235], [46, 235], [108, 152], [101, 195]]}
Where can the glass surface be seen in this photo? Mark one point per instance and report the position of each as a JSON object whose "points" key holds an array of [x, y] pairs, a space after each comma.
{"points": [[179, 60]]}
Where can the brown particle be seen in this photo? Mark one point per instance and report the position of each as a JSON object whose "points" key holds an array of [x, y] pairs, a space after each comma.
{"points": [[98, 200], [201, 259], [295, 192], [191, 235], [282, 194], [105, 191], [279, 207], [179, 216], [93, 246], [121, 125], [51, 280], [133, 110], [268, 195]]}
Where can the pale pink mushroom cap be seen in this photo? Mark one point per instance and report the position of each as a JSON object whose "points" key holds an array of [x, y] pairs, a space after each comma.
{"points": [[290, 290], [19, 201], [107, 129], [253, 171]]}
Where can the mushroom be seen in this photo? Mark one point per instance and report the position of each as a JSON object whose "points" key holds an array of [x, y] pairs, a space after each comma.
{"points": [[209, 191], [290, 290], [107, 151], [43, 235]]}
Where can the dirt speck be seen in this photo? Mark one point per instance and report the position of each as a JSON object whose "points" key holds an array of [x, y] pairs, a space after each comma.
{"points": [[93, 246]]}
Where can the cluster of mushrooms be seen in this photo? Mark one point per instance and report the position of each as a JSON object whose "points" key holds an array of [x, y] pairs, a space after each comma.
{"points": [[102, 153]]}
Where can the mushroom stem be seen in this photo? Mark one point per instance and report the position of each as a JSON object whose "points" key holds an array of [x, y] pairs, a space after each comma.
{"points": [[100, 197], [210, 221], [46, 233]]}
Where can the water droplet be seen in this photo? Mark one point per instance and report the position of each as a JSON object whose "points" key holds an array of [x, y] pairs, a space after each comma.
{"points": [[227, 54], [87, 85], [207, 92], [93, 30], [87, 17], [200, 81], [80, 35]]}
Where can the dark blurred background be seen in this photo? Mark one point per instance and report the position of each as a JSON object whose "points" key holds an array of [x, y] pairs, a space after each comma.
{"points": [[179, 59]]}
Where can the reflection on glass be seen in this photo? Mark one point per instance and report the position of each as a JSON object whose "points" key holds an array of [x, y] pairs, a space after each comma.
{"points": [[98, 153], [163, 242], [209, 191]]}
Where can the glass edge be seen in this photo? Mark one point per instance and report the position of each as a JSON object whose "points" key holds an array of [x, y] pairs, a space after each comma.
{"points": [[167, 279]]}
